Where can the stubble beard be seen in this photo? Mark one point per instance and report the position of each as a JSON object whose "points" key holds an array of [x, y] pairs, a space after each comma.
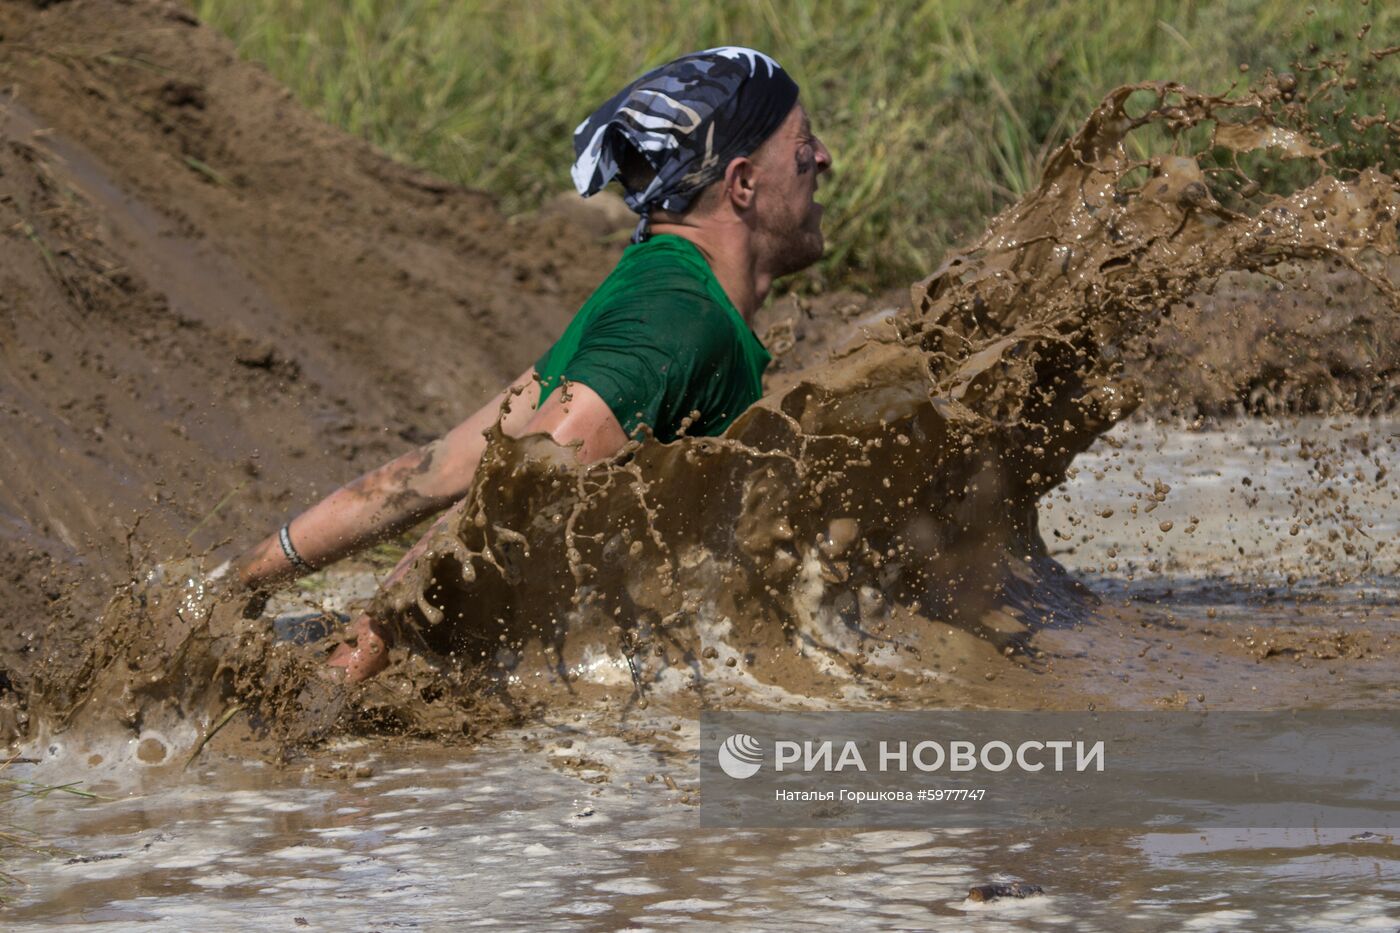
{"points": [[795, 246]]}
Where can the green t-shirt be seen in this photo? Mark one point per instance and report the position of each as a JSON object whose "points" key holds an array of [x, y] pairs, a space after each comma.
{"points": [[659, 340]]}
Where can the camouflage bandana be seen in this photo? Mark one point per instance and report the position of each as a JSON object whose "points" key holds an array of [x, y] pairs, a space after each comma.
{"points": [[688, 119]]}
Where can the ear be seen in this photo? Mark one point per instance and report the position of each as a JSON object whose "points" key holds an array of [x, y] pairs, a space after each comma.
{"points": [[739, 188]]}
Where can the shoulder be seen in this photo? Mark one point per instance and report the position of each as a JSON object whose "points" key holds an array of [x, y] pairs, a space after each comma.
{"points": [[664, 262], [665, 283]]}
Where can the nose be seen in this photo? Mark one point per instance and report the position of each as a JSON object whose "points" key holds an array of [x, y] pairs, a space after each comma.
{"points": [[822, 156]]}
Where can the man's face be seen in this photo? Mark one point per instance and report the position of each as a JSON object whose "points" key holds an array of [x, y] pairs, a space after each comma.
{"points": [[789, 220]]}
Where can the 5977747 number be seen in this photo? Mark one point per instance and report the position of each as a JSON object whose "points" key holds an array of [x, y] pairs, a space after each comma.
{"points": [[941, 794]]}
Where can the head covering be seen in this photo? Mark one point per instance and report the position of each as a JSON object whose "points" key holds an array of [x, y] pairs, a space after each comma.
{"points": [[689, 119]]}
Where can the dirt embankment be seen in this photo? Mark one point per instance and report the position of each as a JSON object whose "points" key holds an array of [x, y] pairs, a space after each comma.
{"points": [[209, 298]]}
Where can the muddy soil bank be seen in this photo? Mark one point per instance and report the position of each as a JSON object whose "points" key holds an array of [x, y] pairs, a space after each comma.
{"points": [[214, 308]]}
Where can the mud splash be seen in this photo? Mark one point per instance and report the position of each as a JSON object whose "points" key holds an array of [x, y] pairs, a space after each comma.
{"points": [[809, 555], [896, 484]]}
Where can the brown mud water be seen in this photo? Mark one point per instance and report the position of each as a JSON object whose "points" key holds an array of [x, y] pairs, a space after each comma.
{"points": [[586, 817], [888, 527]]}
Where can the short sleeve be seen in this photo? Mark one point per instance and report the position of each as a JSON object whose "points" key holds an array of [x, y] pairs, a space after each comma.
{"points": [[621, 358], [657, 342]]}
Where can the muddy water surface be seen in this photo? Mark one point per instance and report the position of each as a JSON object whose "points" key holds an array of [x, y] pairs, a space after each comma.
{"points": [[587, 818], [1265, 575]]}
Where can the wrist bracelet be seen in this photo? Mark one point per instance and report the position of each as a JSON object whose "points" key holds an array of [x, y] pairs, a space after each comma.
{"points": [[284, 537]]}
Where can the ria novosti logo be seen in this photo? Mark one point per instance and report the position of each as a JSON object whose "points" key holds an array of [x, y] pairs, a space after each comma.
{"points": [[740, 756]]}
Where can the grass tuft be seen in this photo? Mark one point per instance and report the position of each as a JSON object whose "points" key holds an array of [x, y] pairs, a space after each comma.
{"points": [[19, 839]]}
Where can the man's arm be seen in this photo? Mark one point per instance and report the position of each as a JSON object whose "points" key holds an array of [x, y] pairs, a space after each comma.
{"points": [[391, 498], [584, 420]]}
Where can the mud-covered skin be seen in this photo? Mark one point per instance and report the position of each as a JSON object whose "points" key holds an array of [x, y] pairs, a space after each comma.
{"points": [[812, 555]]}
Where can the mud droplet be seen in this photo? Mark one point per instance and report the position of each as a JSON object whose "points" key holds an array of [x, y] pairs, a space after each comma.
{"points": [[840, 535], [151, 750]]}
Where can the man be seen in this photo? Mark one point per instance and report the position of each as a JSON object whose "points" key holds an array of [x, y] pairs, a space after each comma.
{"points": [[718, 157]]}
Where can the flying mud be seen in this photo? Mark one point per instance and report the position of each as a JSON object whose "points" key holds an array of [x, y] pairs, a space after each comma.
{"points": [[817, 544]]}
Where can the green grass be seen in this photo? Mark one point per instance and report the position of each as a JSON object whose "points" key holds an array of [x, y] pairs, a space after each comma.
{"points": [[15, 839], [938, 113]]}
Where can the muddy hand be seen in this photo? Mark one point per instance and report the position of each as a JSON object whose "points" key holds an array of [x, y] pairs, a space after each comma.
{"points": [[364, 653]]}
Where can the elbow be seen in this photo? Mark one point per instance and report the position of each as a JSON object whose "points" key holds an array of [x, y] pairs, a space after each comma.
{"points": [[441, 474]]}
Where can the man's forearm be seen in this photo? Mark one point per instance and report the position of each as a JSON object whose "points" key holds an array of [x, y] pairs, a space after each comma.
{"points": [[375, 506], [587, 425], [390, 499]]}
